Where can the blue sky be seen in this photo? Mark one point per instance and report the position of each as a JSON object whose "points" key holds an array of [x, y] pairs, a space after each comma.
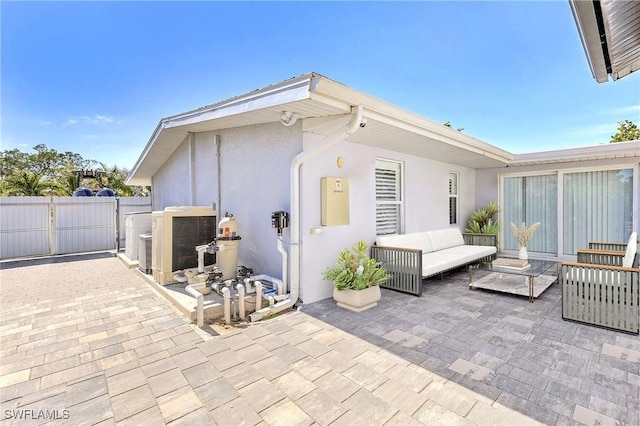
{"points": [[96, 77]]}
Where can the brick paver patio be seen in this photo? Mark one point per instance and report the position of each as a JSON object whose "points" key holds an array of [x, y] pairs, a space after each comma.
{"points": [[518, 354], [88, 341]]}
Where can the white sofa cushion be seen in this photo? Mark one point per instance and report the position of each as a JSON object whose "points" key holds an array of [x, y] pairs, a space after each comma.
{"points": [[445, 238], [415, 240], [630, 254], [443, 260]]}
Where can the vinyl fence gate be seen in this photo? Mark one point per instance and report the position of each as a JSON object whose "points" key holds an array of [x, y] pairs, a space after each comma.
{"points": [[37, 226]]}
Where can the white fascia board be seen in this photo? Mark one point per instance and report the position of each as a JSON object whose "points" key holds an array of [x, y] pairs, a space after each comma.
{"points": [[288, 91], [268, 98], [328, 91], [585, 18], [609, 150]]}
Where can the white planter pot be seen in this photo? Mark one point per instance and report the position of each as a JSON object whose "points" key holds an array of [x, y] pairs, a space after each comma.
{"points": [[357, 300]]}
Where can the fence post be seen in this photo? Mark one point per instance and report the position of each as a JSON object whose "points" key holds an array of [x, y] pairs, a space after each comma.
{"points": [[117, 222], [53, 242]]}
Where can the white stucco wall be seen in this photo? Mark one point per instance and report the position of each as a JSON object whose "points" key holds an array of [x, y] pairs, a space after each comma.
{"points": [[255, 175], [170, 185], [254, 171], [255, 182], [205, 177], [425, 208]]}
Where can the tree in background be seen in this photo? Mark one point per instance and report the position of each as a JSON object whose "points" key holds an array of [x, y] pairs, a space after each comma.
{"points": [[627, 131], [28, 184], [49, 172]]}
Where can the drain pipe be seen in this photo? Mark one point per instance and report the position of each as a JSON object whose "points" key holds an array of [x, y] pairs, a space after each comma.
{"points": [[226, 305], [330, 140], [200, 304], [284, 254], [240, 288], [258, 286]]}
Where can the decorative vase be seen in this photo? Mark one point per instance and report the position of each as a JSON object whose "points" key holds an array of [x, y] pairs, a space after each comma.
{"points": [[522, 254], [357, 300]]}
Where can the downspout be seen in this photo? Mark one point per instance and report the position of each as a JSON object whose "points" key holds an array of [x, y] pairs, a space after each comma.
{"points": [[216, 142], [330, 140], [192, 169]]}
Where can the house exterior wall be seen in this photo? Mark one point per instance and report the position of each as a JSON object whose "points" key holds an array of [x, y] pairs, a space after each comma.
{"points": [[170, 185], [425, 194], [488, 180], [254, 172], [254, 169]]}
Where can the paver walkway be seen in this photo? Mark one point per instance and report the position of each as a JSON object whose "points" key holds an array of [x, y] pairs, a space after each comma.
{"points": [[508, 350], [87, 341]]}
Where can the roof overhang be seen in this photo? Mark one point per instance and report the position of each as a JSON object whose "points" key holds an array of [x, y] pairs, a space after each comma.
{"points": [[610, 34], [313, 96], [625, 151]]}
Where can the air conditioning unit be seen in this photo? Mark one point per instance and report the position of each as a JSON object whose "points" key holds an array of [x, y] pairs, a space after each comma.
{"points": [[145, 253], [176, 231], [135, 224]]}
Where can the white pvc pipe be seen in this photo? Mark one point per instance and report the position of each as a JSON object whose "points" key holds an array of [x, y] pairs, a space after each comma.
{"points": [[199, 304], [284, 254], [258, 286], [226, 305], [278, 283], [240, 289], [331, 139]]}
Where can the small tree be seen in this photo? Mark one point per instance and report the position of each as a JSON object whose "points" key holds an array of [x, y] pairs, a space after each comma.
{"points": [[627, 131]]}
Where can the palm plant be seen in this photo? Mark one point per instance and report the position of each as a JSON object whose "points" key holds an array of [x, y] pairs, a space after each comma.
{"points": [[27, 184], [482, 221]]}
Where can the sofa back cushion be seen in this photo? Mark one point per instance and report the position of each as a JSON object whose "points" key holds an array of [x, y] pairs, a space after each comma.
{"points": [[415, 240], [445, 238], [630, 254]]}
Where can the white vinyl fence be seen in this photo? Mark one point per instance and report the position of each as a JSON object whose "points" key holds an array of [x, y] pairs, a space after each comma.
{"points": [[32, 226]]}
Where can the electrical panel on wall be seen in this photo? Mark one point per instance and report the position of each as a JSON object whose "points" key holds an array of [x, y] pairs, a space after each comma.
{"points": [[335, 201]]}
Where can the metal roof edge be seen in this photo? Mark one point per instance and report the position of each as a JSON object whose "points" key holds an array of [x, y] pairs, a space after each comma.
{"points": [[627, 149]]}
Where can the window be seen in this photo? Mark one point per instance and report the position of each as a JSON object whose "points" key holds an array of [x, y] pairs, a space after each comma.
{"points": [[453, 198], [388, 197]]}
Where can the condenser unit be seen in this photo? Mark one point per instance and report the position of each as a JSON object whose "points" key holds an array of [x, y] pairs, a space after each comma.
{"points": [[176, 231], [135, 224]]}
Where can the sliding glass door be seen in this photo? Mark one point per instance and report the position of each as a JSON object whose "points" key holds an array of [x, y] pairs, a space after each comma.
{"points": [[591, 205], [598, 206], [531, 199]]}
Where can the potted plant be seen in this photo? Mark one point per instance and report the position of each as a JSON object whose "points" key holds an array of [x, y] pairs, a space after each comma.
{"points": [[356, 279], [522, 236], [482, 223]]}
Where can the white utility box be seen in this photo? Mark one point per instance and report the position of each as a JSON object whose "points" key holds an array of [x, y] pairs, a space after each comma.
{"points": [[135, 223]]}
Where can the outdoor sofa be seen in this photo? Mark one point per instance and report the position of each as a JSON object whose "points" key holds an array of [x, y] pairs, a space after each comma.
{"points": [[411, 257]]}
